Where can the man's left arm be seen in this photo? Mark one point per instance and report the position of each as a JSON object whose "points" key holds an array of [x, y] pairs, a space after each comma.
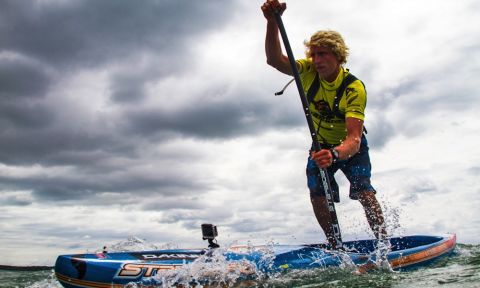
{"points": [[351, 144], [347, 149], [356, 98]]}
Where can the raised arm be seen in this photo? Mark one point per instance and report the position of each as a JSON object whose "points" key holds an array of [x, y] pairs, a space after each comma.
{"points": [[273, 48]]}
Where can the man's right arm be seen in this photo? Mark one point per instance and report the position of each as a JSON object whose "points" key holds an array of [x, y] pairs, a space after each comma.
{"points": [[273, 49]]}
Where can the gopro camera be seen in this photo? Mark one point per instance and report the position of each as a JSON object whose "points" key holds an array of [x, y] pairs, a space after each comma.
{"points": [[209, 232]]}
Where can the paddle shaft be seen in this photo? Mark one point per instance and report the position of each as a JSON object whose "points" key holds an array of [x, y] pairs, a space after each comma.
{"points": [[316, 144]]}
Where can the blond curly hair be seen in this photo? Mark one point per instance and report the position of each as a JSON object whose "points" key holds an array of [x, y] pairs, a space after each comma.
{"points": [[331, 39]]}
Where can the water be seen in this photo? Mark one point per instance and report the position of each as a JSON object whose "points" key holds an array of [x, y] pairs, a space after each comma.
{"points": [[462, 269]]}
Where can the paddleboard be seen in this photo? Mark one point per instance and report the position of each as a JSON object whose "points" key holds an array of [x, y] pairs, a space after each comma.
{"points": [[149, 267]]}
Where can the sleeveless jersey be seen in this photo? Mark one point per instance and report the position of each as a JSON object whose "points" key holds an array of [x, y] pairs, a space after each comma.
{"points": [[331, 129]]}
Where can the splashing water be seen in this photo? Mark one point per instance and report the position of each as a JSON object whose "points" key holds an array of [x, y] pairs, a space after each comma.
{"points": [[383, 248], [215, 270], [134, 243], [392, 219], [212, 268]]}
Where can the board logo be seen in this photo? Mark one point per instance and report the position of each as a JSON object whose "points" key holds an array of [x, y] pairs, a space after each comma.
{"points": [[174, 256], [134, 270], [166, 256]]}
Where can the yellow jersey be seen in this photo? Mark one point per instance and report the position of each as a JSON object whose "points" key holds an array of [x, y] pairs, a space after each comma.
{"points": [[331, 129]]}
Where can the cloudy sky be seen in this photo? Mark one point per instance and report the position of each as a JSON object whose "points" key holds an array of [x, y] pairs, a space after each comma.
{"points": [[149, 118]]}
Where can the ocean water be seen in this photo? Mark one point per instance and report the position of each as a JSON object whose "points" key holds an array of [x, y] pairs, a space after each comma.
{"points": [[461, 269]]}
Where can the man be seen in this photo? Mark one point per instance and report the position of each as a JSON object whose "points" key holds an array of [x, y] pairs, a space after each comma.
{"points": [[339, 125]]}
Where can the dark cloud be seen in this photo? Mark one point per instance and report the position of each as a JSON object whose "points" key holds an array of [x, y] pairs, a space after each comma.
{"points": [[56, 146], [67, 36], [26, 115], [16, 201], [233, 116], [23, 86], [82, 186], [128, 88], [379, 130], [94, 32], [207, 120], [45, 41], [21, 79]]}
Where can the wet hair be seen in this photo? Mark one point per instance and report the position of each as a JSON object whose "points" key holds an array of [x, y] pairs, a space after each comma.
{"points": [[330, 39]]}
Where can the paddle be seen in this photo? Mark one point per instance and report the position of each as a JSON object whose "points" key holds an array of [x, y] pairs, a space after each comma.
{"points": [[313, 132]]}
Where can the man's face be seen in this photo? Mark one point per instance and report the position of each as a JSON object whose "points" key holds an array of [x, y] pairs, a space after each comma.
{"points": [[325, 62]]}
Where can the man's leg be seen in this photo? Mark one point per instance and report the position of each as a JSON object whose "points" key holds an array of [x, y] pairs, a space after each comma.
{"points": [[374, 213], [320, 208]]}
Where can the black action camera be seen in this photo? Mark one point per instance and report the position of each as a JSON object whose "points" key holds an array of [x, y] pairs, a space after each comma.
{"points": [[209, 232]]}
